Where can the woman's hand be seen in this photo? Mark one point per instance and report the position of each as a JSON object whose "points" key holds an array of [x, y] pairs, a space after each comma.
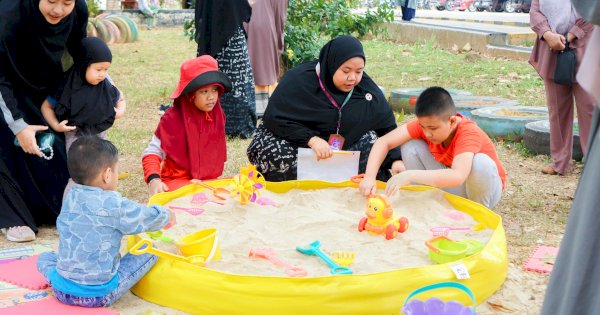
{"points": [[571, 37], [398, 167], [27, 139], [320, 147], [555, 41], [156, 186], [62, 127]]}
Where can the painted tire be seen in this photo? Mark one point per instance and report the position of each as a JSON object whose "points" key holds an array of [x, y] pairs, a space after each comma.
{"points": [[406, 98], [91, 30], [103, 32], [467, 103], [123, 28], [507, 121], [132, 27], [537, 138], [113, 30]]}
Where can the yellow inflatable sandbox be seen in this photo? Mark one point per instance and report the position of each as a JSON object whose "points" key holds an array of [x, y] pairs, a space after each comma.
{"points": [[200, 290]]}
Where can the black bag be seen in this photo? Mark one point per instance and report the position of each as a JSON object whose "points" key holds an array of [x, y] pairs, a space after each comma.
{"points": [[565, 66]]}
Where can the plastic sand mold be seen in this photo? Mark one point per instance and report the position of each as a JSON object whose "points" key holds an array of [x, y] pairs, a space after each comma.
{"points": [[201, 290]]}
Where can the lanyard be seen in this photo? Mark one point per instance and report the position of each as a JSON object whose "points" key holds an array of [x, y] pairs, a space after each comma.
{"points": [[333, 102]]}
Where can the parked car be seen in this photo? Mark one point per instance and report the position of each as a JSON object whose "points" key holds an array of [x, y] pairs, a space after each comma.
{"points": [[523, 6], [467, 5], [496, 5], [451, 5]]}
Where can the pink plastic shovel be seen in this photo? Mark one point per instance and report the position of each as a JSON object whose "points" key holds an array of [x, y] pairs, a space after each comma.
{"points": [[269, 254]]}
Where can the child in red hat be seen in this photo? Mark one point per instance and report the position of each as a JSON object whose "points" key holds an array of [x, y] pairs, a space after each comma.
{"points": [[189, 142]]}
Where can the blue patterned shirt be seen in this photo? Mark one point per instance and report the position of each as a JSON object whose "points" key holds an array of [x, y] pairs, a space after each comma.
{"points": [[91, 225]]}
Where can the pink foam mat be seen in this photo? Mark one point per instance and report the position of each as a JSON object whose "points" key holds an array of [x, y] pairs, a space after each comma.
{"points": [[24, 273], [52, 306], [542, 260]]}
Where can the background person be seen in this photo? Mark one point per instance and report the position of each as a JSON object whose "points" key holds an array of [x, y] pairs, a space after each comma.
{"points": [[554, 22], [265, 45], [220, 33]]}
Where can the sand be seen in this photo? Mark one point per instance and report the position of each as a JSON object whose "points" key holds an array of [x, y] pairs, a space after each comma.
{"points": [[328, 215]]}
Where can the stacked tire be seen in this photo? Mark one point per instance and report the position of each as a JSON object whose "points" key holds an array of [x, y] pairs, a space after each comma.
{"points": [[113, 28], [507, 121], [467, 103], [405, 99], [537, 138]]}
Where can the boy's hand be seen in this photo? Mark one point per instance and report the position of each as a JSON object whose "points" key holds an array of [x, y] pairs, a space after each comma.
{"points": [[367, 186], [172, 220], [62, 127], [156, 186], [321, 148], [397, 181], [398, 167]]}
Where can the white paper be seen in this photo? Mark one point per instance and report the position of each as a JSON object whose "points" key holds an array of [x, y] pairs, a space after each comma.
{"points": [[338, 168]]}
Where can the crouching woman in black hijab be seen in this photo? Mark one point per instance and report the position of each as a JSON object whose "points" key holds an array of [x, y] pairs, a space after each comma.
{"points": [[323, 102], [34, 35]]}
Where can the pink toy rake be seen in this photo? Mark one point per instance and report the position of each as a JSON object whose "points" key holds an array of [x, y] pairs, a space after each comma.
{"points": [[269, 254], [445, 230]]}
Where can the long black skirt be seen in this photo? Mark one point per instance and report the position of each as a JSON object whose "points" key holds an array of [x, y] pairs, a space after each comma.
{"points": [[574, 286], [239, 104], [277, 159], [31, 188]]}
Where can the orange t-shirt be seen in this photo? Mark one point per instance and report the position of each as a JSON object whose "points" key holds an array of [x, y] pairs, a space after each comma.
{"points": [[468, 138]]}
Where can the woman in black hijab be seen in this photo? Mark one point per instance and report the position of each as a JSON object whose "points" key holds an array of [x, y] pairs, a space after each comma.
{"points": [[220, 33], [34, 35], [318, 103]]}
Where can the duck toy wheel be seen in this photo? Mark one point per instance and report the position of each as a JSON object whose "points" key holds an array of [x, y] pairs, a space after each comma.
{"points": [[381, 218]]}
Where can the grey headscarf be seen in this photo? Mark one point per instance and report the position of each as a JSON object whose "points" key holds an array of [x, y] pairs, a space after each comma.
{"points": [[561, 15]]}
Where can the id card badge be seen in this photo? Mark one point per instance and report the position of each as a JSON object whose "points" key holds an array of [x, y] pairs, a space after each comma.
{"points": [[336, 141]]}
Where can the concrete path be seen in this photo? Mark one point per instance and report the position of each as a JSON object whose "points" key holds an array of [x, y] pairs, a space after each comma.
{"points": [[496, 34]]}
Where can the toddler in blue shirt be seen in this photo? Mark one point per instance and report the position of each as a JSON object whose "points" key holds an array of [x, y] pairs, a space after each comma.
{"points": [[88, 269]]}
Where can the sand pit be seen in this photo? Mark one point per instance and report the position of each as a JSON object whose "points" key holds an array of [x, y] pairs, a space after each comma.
{"points": [[328, 215]]}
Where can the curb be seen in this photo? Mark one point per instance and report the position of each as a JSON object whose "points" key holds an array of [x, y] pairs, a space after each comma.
{"points": [[506, 23]]}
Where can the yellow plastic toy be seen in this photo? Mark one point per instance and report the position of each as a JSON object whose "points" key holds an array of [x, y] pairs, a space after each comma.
{"points": [[381, 218], [247, 184]]}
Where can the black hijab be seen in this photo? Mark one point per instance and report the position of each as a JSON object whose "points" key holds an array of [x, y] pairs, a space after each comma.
{"points": [[89, 107], [217, 21], [34, 46], [299, 109]]}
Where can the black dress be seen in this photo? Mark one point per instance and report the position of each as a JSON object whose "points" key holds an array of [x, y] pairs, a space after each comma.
{"points": [[31, 188], [299, 109]]}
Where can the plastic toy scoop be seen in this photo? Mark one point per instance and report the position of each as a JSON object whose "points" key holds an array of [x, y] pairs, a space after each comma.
{"points": [[269, 254], [445, 230], [219, 193], [137, 249], [314, 250]]}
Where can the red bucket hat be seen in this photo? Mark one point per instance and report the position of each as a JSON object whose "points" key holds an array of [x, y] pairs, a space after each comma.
{"points": [[198, 72]]}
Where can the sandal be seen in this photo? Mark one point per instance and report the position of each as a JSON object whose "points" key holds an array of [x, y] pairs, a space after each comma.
{"points": [[548, 170]]}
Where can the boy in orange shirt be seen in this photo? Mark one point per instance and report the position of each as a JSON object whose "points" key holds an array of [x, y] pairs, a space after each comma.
{"points": [[443, 149]]}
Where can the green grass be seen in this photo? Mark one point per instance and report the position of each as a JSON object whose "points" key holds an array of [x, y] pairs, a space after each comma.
{"points": [[148, 70], [533, 207]]}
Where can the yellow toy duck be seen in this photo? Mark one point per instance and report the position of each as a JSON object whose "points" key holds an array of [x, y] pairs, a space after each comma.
{"points": [[381, 218]]}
